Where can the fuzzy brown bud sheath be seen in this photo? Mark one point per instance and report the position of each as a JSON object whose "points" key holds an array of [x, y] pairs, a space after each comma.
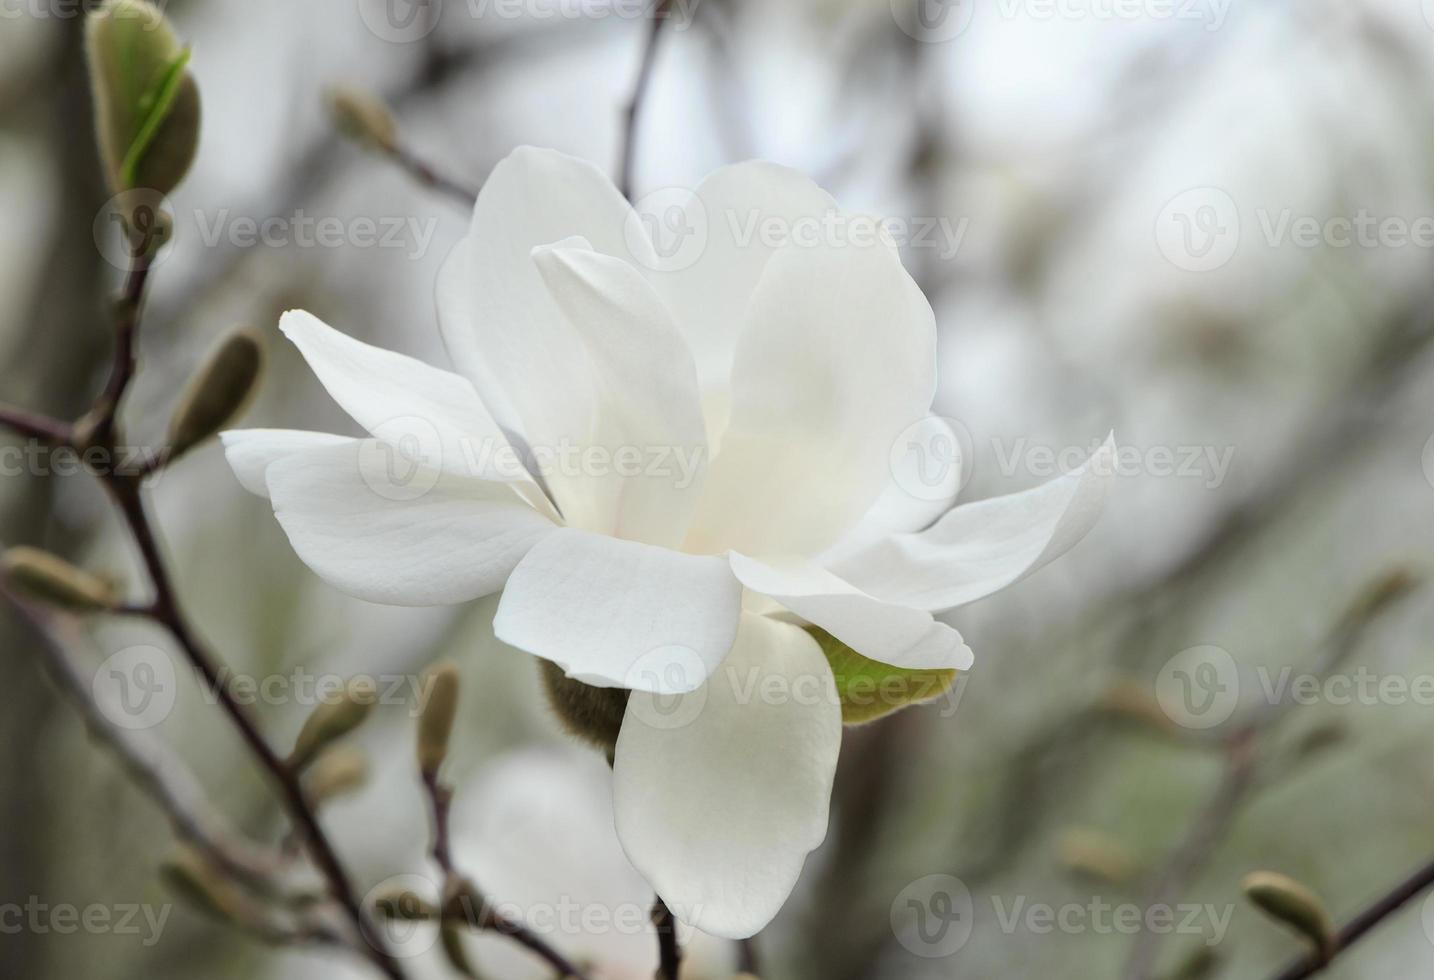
{"points": [[51, 579], [1292, 904], [331, 721], [218, 393], [363, 118], [435, 724]]}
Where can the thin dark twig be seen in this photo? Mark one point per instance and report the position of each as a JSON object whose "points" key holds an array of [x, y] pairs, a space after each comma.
{"points": [[423, 172], [153, 768], [464, 901], [166, 611], [99, 429], [747, 961], [34, 425], [440, 799], [633, 109], [669, 962], [1363, 923]]}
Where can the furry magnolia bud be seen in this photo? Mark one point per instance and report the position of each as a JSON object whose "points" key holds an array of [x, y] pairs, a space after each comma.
{"points": [[435, 724], [363, 117], [1291, 903], [332, 720], [591, 713], [51, 579], [146, 102], [218, 393]]}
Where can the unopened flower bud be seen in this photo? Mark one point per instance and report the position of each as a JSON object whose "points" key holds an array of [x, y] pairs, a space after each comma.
{"points": [[1291, 903], [146, 102], [339, 770], [363, 117], [51, 579], [405, 905], [435, 724], [591, 713], [194, 879], [332, 720], [456, 953], [218, 393], [1096, 855]]}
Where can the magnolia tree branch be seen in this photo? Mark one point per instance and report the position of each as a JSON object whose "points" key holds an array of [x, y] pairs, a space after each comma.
{"points": [[166, 611], [669, 954], [424, 173], [155, 769], [1363, 923], [466, 903], [660, 14], [1242, 763], [99, 429]]}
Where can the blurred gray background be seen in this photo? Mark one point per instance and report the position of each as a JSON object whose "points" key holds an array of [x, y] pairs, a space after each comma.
{"points": [[1180, 221]]}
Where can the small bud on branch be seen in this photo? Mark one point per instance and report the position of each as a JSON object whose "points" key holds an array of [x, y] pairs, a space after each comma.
{"points": [[218, 393], [331, 721], [53, 580]]}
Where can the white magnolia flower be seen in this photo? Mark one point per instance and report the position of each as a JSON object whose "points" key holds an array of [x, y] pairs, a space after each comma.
{"points": [[781, 370]]}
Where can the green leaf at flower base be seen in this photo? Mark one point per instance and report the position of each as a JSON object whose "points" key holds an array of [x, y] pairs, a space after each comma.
{"points": [[869, 689]]}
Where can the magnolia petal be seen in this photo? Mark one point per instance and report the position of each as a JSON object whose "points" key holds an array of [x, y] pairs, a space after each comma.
{"points": [[456, 301], [982, 547], [881, 631], [735, 208], [432, 416], [250, 451], [720, 798], [837, 358], [618, 613], [649, 408], [926, 473], [413, 538], [515, 342]]}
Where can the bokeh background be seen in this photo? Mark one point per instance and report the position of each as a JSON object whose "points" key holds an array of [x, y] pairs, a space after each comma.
{"points": [[1141, 216]]}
